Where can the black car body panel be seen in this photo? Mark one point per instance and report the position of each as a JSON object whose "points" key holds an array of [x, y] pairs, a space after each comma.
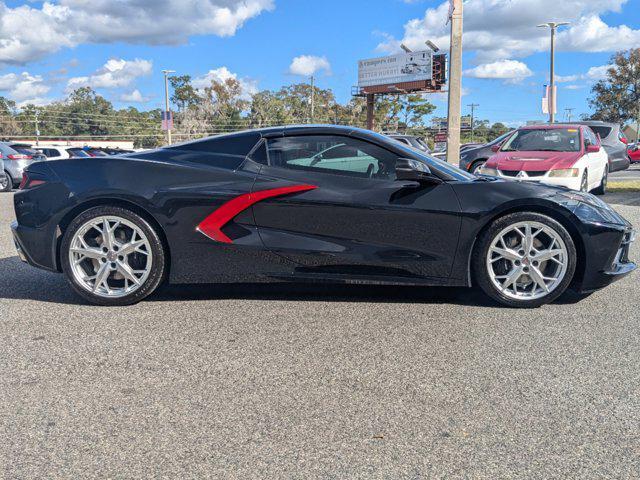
{"points": [[341, 228]]}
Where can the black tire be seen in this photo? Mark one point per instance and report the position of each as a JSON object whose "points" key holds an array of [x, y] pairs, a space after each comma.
{"points": [[8, 186], [584, 183], [602, 189], [479, 268], [158, 264], [476, 166]]}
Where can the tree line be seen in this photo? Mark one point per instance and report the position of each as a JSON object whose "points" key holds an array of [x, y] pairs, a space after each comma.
{"points": [[223, 107]]}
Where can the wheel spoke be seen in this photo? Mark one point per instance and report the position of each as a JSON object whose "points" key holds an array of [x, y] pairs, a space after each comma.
{"points": [[537, 277], [127, 273], [514, 275], [132, 247], [88, 252], [505, 253], [545, 255], [101, 277]]}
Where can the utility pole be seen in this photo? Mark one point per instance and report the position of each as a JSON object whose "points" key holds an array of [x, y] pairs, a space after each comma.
{"points": [[455, 83], [37, 128], [473, 108], [568, 113], [166, 103], [553, 26], [312, 99]]}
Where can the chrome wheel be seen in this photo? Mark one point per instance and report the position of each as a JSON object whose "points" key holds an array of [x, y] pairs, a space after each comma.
{"points": [[527, 260], [4, 182], [584, 184], [110, 256]]}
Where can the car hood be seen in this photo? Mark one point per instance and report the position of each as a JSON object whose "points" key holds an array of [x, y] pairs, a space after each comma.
{"points": [[533, 161]]}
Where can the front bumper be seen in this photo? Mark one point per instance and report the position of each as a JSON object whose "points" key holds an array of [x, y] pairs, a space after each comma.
{"points": [[541, 177], [604, 264]]}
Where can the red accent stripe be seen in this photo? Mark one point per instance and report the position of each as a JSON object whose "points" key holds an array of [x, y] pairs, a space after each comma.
{"points": [[212, 225]]}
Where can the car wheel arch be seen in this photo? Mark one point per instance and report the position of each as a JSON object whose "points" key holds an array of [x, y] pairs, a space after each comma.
{"points": [[476, 162], [115, 202], [550, 212]]}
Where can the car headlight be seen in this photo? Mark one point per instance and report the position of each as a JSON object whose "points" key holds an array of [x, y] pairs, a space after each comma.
{"points": [[489, 171], [589, 208], [565, 172]]}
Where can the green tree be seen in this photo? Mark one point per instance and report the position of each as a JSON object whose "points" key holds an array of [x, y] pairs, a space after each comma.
{"points": [[617, 97], [184, 95]]}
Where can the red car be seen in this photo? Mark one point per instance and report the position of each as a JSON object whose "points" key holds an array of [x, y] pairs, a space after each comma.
{"points": [[634, 152], [565, 155]]}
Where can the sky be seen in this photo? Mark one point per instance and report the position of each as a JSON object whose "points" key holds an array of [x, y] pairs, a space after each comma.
{"points": [[120, 47]]}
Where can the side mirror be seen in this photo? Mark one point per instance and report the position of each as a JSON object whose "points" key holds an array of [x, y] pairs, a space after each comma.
{"points": [[593, 148], [415, 171], [495, 148]]}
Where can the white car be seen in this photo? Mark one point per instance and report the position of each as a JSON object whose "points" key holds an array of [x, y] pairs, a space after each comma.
{"points": [[565, 155], [53, 152]]}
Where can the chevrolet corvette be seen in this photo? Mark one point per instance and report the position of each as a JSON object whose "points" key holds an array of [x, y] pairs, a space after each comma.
{"points": [[310, 203]]}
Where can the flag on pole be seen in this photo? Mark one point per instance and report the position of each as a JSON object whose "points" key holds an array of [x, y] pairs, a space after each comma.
{"points": [[167, 121], [546, 99]]}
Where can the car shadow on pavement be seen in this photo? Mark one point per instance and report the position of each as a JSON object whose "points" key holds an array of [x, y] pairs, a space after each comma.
{"points": [[23, 282]]}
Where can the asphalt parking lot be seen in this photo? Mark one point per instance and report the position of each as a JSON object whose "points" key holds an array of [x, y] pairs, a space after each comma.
{"points": [[258, 381]]}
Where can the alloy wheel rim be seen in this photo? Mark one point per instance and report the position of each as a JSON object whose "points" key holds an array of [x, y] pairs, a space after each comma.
{"points": [[527, 261], [110, 257], [585, 183], [4, 181]]}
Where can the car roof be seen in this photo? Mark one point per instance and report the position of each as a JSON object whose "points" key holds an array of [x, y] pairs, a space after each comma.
{"points": [[270, 132], [596, 123], [543, 126]]}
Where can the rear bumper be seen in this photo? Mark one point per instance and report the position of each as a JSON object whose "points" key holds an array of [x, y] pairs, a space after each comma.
{"points": [[31, 249]]}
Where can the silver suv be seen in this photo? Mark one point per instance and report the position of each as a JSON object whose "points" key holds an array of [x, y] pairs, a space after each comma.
{"points": [[16, 157], [613, 141]]}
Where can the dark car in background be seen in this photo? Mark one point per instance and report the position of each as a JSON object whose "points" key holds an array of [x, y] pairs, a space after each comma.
{"points": [[411, 140], [474, 157], [614, 142]]}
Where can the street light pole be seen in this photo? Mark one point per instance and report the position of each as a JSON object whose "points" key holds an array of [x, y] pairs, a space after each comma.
{"points": [[313, 105], [166, 102], [455, 84], [553, 26], [473, 108]]}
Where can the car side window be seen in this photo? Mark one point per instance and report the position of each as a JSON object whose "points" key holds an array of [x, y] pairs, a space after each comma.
{"points": [[332, 154], [589, 137]]}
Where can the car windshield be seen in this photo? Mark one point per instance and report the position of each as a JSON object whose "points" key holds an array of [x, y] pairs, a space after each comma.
{"points": [[544, 140], [601, 130], [500, 139], [25, 150], [78, 153]]}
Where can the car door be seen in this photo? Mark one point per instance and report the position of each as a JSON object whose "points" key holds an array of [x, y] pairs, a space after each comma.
{"points": [[596, 161], [352, 217]]}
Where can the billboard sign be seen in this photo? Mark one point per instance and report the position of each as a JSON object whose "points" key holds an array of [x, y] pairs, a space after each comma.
{"points": [[400, 68]]}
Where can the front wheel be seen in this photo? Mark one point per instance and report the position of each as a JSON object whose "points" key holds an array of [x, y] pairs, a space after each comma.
{"points": [[6, 183], [112, 256], [477, 167], [524, 260], [602, 189]]}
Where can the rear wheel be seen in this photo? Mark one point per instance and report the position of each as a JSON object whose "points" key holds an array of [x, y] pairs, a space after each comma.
{"points": [[112, 256], [602, 189], [6, 183], [525, 260], [475, 169]]}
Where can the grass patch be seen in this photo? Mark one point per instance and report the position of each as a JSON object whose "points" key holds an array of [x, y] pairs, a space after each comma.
{"points": [[632, 186]]}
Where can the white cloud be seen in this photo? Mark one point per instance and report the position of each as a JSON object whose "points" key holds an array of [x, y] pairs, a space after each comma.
{"points": [[133, 97], [28, 33], [249, 87], [504, 29], [116, 73], [307, 65], [25, 88], [502, 69], [593, 75]]}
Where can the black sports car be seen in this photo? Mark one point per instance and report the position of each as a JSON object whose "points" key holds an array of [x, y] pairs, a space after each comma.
{"points": [[310, 203]]}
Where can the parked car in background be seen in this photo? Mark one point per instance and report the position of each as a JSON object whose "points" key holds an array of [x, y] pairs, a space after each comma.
{"points": [[86, 152], [53, 152], [633, 150], [16, 157], [474, 157], [565, 155], [412, 141], [116, 151], [3, 176], [614, 142]]}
